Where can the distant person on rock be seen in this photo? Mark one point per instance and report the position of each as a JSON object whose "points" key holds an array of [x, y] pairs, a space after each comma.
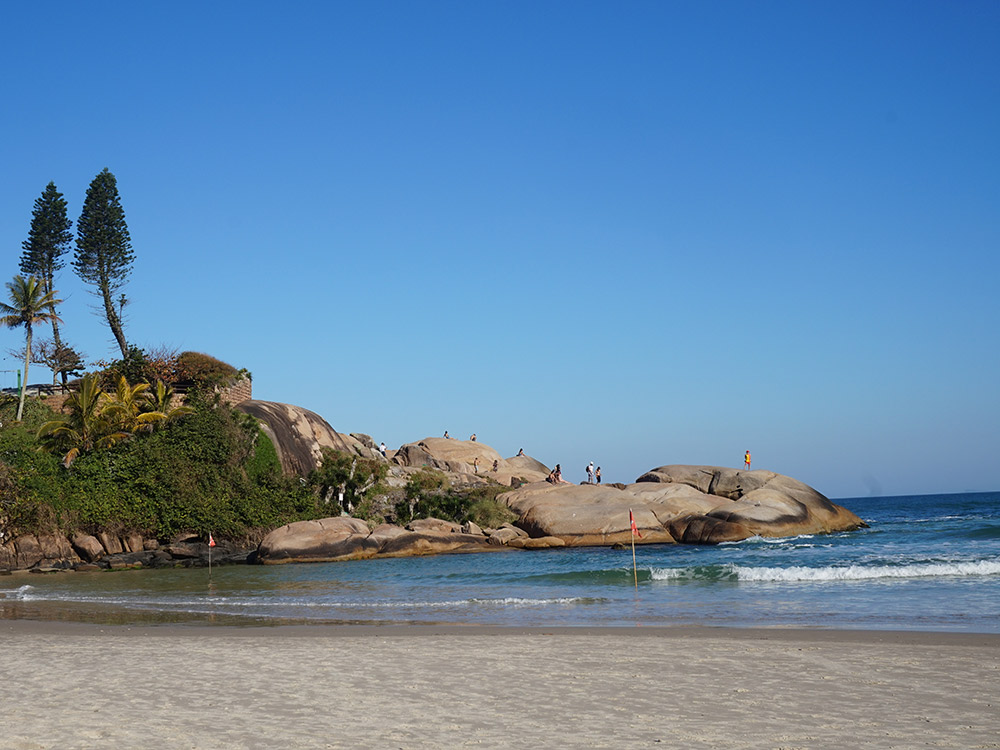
{"points": [[381, 449], [746, 460], [496, 464], [555, 476], [446, 435], [590, 473], [472, 437], [475, 464], [598, 474], [521, 452]]}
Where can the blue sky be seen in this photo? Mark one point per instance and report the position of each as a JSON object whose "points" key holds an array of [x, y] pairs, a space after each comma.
{"points": [[637, 233]]}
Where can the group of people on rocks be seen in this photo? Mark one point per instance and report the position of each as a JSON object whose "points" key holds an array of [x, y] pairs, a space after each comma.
{"points": [[593, 475]]}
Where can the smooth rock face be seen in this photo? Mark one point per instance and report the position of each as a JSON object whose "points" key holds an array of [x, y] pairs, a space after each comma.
{"points": [[343, 538], [689, 504], [299, 436], [459, 457], [87, 547], [325, 540]]}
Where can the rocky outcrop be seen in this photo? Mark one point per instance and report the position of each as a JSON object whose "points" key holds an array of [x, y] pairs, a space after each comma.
{"points": [[299, 436], [343, 538], [687, 504], [83, 552], [325, 540], [465, 457]]}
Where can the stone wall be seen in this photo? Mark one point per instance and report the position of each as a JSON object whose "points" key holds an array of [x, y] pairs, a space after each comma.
{"points": [[238, 392]]}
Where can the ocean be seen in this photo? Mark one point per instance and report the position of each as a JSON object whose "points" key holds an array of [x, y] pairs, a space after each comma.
{"points": [[925, 562]]}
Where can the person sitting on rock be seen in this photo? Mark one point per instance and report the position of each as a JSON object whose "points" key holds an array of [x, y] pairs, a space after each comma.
{"points": [[521, 452], [446, 435], [472, 437], [555, 476]]}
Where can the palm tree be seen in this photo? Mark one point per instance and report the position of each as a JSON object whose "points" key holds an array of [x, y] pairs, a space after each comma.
{"points": [[161, 399], [30, 304], [84, 427], [125, 408]]}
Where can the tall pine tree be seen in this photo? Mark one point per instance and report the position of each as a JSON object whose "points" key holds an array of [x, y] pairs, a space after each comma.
{"points": [[48, 240], [104, 249]]}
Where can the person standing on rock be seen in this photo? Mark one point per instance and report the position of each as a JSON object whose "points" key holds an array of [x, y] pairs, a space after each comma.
{"points": [[496, 464], [746, 460], [590, 473], [475, 464], [597, 474], [381, 449]]}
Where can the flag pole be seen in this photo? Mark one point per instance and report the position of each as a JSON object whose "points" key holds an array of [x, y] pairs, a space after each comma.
{"points": [[632, 532], [635, 572]]}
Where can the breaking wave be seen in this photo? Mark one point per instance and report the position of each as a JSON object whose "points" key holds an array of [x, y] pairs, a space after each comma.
{"points": [[831, 573]]}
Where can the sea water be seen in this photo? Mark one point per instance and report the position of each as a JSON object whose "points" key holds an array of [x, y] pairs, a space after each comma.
{"points": [[928, 562]]}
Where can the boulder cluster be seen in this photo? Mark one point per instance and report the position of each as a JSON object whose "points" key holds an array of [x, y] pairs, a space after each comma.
{"points": [[345, 538], [669, 504], [44, 553]]}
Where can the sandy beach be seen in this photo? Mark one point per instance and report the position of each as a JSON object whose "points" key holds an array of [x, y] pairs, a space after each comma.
{"points": [[69, 685]]}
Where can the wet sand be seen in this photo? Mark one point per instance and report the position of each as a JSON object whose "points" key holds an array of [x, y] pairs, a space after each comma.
{"points": [[67, 685]]}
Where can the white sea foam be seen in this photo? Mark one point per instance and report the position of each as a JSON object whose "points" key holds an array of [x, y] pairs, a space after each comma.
{"points": [[22, 593], [871, 572], [830, 573]]}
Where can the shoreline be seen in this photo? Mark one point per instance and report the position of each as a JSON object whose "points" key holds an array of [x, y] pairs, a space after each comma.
{"points": [[201, 629], [75, 685]]}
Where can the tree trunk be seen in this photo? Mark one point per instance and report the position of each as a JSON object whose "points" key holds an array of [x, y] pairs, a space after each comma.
{"points": [[27, 361], [47, 282], [113, 321]]}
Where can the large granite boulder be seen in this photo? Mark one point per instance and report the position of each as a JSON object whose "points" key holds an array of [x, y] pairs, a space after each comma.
{"points": [[460, 457], [299, 436], [343, 538], [582, 514], [688, 504], [325, 540]]}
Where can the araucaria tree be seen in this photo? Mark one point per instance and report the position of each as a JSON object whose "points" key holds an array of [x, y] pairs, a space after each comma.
{"points": [[29, 304], [104, 249], [48, 240]]}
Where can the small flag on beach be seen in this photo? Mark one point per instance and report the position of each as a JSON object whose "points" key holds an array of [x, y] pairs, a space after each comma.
{"points": [[211, 541], [635, 529]]}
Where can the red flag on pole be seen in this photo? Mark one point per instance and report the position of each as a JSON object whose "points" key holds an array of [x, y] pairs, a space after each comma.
{"points": [[211, 541], [631, 520]]}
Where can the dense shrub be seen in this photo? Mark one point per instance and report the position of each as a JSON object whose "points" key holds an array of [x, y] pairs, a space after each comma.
{"points": [[429, 494], [204, 370], [213, 470]]}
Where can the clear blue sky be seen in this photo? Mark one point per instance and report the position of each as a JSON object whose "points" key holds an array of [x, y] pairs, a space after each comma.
{"points": [[637, 233]]}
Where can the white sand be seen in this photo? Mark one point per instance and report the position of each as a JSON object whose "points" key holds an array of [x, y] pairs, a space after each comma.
{"points": [[85, 686]]}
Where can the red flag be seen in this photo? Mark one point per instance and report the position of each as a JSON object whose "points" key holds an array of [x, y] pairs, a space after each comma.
{"points": [[631, 520], [211, 541]]}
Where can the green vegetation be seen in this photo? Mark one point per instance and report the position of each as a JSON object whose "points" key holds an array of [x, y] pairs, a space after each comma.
{"points": [[48, 240], [346, 483], [29, 304], [429, 493], [122, 453], [211, 469], [104, 250]]}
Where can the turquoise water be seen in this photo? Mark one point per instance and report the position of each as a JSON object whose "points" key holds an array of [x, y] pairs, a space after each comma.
{"points": [[929, 562]]}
